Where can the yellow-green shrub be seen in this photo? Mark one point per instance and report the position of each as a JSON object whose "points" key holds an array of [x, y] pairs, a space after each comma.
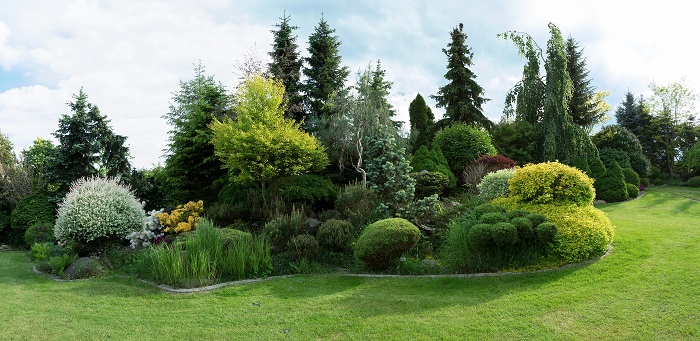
{"points": [[182, 219], [551, 183], [385, 240], [582, 232]]}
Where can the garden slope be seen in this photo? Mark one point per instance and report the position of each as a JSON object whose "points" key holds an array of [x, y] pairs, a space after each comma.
{"points": [[647, 288]]}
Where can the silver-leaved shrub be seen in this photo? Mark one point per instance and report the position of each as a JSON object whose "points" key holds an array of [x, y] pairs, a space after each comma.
{"points": [[96, 208]]}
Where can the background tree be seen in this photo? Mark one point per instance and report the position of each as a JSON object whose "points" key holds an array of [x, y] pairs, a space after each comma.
{"points": [[462, 97], [528, 94], [37, 156], [286, 66], [325, 78], [617, 137], [87, 147], [421, 118], [672, 105], [580, 106], [261, 144], [635, 116], [192, 169]]}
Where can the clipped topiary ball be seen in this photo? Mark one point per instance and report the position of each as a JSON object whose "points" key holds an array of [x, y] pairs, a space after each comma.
{"points": [[504, 234], [536, 218], [546, 232], [480, 237], [493, 217], [98, 208], [486, 208], [386, 240], [552, 183], [517, 214], [335, 234], [632, 190], [524, 227]]}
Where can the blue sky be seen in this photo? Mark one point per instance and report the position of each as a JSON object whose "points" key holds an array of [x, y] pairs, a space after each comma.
{"points": [[130, 55]]}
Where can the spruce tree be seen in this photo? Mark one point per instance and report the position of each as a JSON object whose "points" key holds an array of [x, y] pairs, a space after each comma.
{"points": [[462, 97], [286, 66], [192, 169], [325, 77], [580, 105]]}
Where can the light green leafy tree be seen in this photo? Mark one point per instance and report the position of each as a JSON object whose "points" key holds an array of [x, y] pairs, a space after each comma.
{"points": [[260, 144]]}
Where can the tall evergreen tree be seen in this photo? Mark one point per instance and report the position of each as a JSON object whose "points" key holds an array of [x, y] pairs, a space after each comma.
{"points": [[325, 77], [462, 97], [286, 66], [421, 118], [87, 147], [627, 114], [191, 167], [580, 106]]}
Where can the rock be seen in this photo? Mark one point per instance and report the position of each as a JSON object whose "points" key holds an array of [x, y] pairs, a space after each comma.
{"points": [[598, 202], [5, 248], [430, 263], [313, 225], [84, 267]]}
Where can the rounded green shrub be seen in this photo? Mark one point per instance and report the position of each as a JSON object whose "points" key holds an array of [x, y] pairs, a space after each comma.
{"points": [[39, 233], [612, 186], [504, 234], [335, 234], [385, 240], [232, 236], [32, 209], [461, 143], [524, 228], [693, 182], [631, 177], [98, 208], [536, 218], [308, 189], [632, 190], [552, 182], [282, 228], [429, 183], [303, 246], [512, 214], [486, 208], [608, 155], [493, 217], [495, 184], [545, 232], [480, 237]]}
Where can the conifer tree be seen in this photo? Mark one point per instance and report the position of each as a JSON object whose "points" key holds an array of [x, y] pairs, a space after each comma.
{"points": [[580, 106], [462, 97], [286, 66], [421, 118], [325, 77], [191, 167]]}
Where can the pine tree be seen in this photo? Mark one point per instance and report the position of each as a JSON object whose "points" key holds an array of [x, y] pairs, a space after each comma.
{"points": [[580, 105], [191, 167], [462, 97], [325, 77], [286, 66], [87, 147]]}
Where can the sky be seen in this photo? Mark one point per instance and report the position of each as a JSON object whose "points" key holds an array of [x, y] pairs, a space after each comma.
{"points": [[129, 56]]}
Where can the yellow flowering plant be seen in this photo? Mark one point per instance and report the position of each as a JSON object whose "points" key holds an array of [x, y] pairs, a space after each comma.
{"points": [[182, 219]]}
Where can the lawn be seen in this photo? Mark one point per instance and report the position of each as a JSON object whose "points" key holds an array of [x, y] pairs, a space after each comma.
{"points": [[648, 287]]}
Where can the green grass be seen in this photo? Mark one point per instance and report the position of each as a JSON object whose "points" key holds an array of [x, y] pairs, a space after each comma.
{"points": [[647, 288]]}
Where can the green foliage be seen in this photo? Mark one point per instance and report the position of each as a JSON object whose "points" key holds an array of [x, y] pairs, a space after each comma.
{"points": [[282, 228], [691, 158], [694, 181], [388, 173], [611, 187], [631, 177], [98, 208], [303, 246], [582, 164], [61, 262], [286, 66], [40, 251], [385, 240], [308, 189], [429, 183], [581, 108], [493, 218], [356, 203], [191, 168], [482, 209], [620, 138], [421, 118], [233, 193], [232, 237], [433, 161], [598, 169], [582, 232], [480, 237], [552, 182], [261, 144], [39, 233], [495, 184], [536, 218], [87, 147], [528, 94], [462, 97], [335, 234], [517, 214], [607, 156], [205, 258], [504, 234], [523, 225], [461, 143], [37, 156], [517, 140], [546, 232], [324, 75], [632, 190], [35, 208], [154, 188]]}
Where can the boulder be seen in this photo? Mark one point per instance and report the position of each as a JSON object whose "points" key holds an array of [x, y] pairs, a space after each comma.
{"points": [[84, 267]]}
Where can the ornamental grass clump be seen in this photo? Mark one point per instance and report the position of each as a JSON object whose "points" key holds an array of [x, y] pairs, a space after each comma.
{"points": [[98, 210]]}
